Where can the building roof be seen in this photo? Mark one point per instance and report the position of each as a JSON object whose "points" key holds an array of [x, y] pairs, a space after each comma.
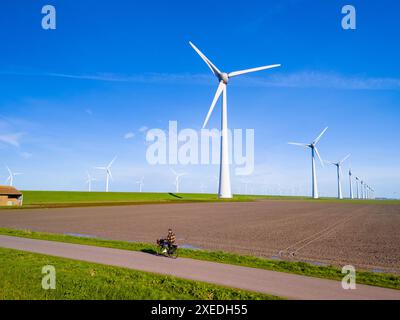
{"points": [[7, 190]]}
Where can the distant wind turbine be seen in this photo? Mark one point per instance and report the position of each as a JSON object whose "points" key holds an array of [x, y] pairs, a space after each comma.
{"points": [[225, 190], [357, 181], [107, 170], [351, 184], [177, 179], [11, 176], [339, 174], [140, 183], [362, 189], [372, 193], [89, 181], [314, 151]]}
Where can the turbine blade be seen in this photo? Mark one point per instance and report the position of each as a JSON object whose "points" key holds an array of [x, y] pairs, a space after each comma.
{"points": [[238, 73], [8, 169], [330, 162], [345, 158], [320, 136], [100, 168], [299, 144], [112, 161], [212, 67], [319, 156], [220, 89], [173, 171]]}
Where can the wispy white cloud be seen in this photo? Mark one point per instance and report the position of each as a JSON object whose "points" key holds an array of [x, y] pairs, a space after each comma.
{"points": [[13, 139], [314, 79], [143, 129], [26, 155], [129, 135], [301, 79], [112, 77]]}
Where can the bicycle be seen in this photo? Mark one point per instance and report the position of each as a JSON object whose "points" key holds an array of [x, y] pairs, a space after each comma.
{"points": [[167, 250]]}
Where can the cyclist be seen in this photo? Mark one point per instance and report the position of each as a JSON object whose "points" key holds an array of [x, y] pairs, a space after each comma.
{"points": [[168, 242], [171, 238]]}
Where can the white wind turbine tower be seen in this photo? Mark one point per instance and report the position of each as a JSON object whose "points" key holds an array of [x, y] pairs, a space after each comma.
{"points": [[339, 174], [362, 189], [225, 190], [351, 184], [107, 169], [314, 151], [11, 176], [178, 176], [357, 180], [89, 181], [140, 183]]}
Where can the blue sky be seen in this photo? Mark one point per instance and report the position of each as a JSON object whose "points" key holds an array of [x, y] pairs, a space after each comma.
{"points": [[70, 96]]}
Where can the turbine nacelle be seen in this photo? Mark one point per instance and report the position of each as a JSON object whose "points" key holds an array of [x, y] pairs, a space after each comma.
{"points": [[224, 77]]}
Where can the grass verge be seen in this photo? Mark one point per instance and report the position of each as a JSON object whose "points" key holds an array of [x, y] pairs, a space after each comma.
{"points": [[54, 199], [21, 278], [301, 268], [57, 199]]}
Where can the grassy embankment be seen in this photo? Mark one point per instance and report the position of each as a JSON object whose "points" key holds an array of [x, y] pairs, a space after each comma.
{"points": [[21, 278], [40, 199], [301, 268]]}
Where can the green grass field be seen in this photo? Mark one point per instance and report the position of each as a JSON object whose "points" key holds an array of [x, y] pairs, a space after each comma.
{"points": [[49, 197], [21, 278], [301, 268], [39, 199]]}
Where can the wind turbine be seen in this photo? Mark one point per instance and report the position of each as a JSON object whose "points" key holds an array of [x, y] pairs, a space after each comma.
{"points": [[107, 169], [339, 174], [372, 193], [357, 180], [314, 151], [351, 184], [11, 176], [89, 181], [177, 178], [362, 189], [225, 190], [140, 183]]}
